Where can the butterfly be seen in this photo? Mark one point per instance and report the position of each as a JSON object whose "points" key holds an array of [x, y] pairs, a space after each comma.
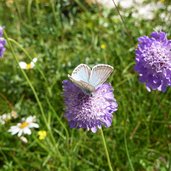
{"points": [[31, 65], [89, 79]]}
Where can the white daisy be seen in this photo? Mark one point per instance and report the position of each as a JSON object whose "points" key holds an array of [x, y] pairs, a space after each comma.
{"points": [[30, 65], [24, 126]]}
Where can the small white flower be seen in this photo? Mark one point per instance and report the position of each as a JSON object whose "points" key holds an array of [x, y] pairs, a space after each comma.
{"points": [[30, 65], [5, 118], [159, 28], [2, 122], [24, 126], [126, 3], [105, 3], [14, 114], [147, 11]]}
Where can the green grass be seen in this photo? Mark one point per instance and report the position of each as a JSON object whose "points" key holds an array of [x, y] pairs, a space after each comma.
{"points": [[63, 35]]}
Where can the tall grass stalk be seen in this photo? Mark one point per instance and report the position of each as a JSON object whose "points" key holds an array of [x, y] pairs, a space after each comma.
{"points": [[35, 94], [43, 75], [123, 22]]}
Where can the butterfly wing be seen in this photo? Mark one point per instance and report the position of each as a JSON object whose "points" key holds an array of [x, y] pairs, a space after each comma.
{"points": [[23, 65], [100, 74], [80, 77], [86, 87], [34, 60], [81, 72]]}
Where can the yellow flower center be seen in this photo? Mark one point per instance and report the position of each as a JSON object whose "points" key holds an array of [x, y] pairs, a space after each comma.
{"points": [[23, 125], [28, 66]]}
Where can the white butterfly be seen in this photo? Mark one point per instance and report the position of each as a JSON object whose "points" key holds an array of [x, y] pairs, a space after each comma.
{"points": [[27, 66], [88, 80]]}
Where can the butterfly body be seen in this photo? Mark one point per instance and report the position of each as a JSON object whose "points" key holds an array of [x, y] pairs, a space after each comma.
{"points": [[89, 79]]}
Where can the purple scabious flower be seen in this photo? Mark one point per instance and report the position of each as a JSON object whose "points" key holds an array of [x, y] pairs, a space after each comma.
{"points": [[89, 111], [2, 42], [153, 61]]}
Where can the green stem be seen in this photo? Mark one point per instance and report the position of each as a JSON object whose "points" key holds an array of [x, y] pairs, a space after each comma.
{"points": [[106, 151], [33, 90], [26, 53], [24, 74], [59, 120], [123, 22], [29, 10], [126, 147]]}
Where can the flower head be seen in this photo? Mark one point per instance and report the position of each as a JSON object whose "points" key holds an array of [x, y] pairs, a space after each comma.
{"points": [[153, 61], [146, 11], [105, 3], [24, 126], [89, 112], [5, 118], [2, 42], [103, 46], [8, 116], [14, 114], [42, 134]]}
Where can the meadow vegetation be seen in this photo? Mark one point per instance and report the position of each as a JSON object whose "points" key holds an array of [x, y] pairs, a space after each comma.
{"points": [[62, 34]]}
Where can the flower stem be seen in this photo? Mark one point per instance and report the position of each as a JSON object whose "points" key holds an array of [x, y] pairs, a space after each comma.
{"points": [[127, 152], [26, 53], [106, 150], [123, 22], [25, 76], [35, 94]]}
